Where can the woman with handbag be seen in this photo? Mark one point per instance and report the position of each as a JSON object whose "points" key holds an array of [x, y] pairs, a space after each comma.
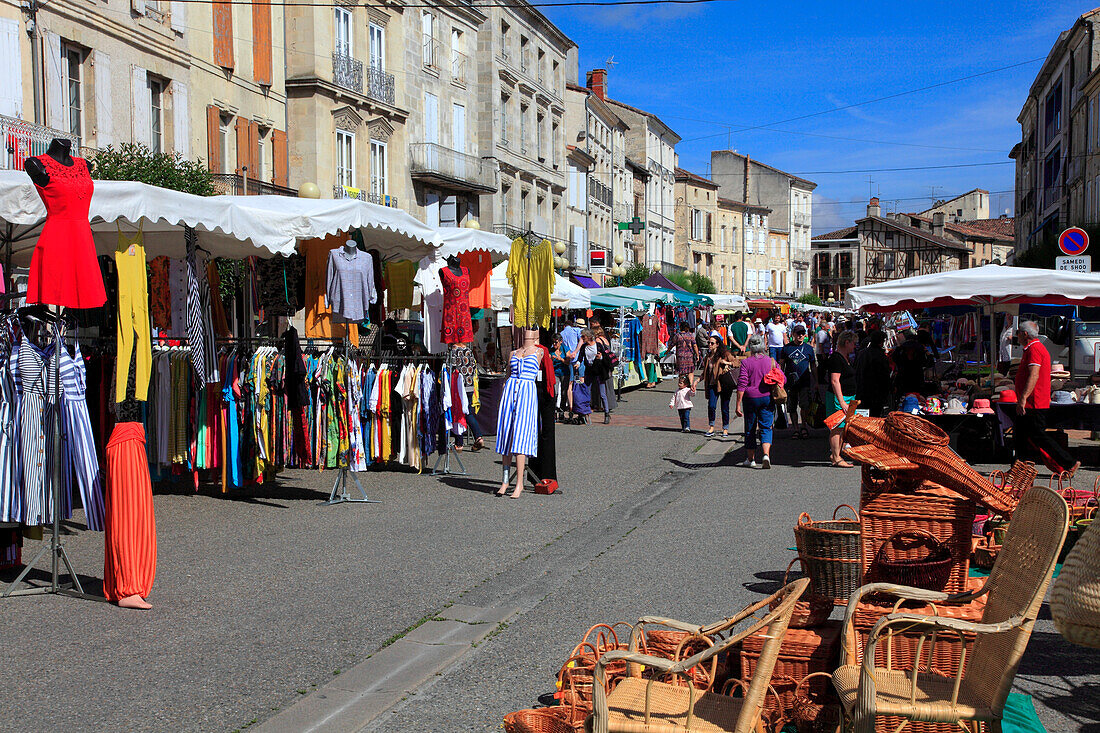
{"points": [[596, 371], [841, 389], [754, 401], [719, 382]]}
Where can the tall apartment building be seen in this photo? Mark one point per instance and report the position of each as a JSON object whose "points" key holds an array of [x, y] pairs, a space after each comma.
{"points": [[964, 207], [200, 80], [521, 60], [1057, 174], [650, 140], [790, 199], [597, 177], [696, 223], [634, 242], [443, 92], [346, 113], [730, 245]]}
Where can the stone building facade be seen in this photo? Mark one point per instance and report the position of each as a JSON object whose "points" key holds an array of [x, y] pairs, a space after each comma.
{"points": [[205, 81], [635, 242], [696, 223], [521, 61], [345, 105]]}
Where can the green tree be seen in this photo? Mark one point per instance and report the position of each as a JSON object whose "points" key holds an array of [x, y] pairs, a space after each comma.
{"points": [[810, 299], [135, 162], [636, 274]]}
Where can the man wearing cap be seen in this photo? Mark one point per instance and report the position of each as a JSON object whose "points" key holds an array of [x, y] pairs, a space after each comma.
{"points": [[799, 365], [1033, 403]]}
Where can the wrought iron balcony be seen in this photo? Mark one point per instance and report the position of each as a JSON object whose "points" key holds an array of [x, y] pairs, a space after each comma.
{"points": [[599, 192], [24, 140], [431, 53], [435, 163], [380, 86], [460, 65], [371, 197], [347, 72], [233, 184]]}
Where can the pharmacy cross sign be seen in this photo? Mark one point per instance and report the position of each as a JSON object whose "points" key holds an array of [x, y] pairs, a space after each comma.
{"points": [[635, 225]]}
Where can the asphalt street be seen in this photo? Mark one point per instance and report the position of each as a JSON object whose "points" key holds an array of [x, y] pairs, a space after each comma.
{"points": [[265, 595]]}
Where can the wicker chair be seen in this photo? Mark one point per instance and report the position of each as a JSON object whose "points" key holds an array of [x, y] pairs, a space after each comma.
{"points": [[1016, 586], [640, 705]]}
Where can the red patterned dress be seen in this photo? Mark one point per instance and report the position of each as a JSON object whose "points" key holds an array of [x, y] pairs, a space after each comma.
{"points": [[64, 270], [457, 326]]}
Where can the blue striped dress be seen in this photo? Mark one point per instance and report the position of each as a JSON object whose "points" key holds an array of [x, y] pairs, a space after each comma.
{"points": [[79, 443], [518, 419]]}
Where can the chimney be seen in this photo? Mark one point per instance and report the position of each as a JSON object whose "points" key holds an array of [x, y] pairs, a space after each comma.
{"points": [[937, 224], [745, 193], [597, 82], [873, 209]]}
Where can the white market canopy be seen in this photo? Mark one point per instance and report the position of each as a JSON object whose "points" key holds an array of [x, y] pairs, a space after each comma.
{"points": [[459, 240], [728, 301], [566, 294], [990, 285], [227, 226]]}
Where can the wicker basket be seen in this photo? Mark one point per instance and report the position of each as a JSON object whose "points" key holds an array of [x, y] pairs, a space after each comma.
{"points": [[930, 572], [985, 555], [810, 610], [900, 647], [1019, 478], [803, 652], [815, 707], [677, 645], [944, 514], [538, 720], [773, 715], [830, 553], [1075, 600]]}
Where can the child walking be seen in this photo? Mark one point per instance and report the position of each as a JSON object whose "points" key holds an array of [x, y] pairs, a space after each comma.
{"points": [[682, 402]]}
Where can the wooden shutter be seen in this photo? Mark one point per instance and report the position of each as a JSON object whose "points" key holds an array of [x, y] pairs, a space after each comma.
{"points": [[177, 16], [143, 107], [213, 138], [11, 82], [181, 121], [278, 142], [104, 107], [254, 150], [223, 34], [261, 42], [242, 145]]}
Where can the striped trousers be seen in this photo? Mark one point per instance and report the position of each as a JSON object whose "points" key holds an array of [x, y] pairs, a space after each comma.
{"points": [[130, 552]]}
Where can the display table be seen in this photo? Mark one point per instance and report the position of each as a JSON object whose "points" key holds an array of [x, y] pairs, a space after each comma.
{"points": [[1078, 416], [974, 437]]}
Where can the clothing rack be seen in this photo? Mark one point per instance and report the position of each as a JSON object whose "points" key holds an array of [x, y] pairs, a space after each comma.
{"points": [[56, 548]]}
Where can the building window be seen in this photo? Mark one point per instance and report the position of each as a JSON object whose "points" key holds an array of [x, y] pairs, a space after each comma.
{"points": [[698, 225], [1051, 167], [1052, 116], [523, 207], [377, 47], [523, 128], [504, 119], [378, 166], [72, 67], [458, 57], [539, 137], [505, 194], [427, 34], [264, 168], [225, 142], [156, 113], [343, 31], [345, 158]]}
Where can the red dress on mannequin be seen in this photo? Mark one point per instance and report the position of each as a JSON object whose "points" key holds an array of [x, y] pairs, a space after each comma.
{"points": [[457, 326], [64, 269]]}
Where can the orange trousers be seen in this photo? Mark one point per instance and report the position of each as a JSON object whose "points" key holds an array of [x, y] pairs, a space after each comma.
{"points": [[130, 554]]}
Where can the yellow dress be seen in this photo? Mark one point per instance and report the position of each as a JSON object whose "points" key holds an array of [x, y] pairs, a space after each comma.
{"points": [[532, 282], [399, 280]]}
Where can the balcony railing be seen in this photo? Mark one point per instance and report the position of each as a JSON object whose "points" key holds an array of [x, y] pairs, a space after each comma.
{"points": [[800, 218], [431, 52], [24, 140], [347, 72], [380, 85], [371, 197], [460, 65], [432, 161], [233, 184], [599, 191], [623, 213]]}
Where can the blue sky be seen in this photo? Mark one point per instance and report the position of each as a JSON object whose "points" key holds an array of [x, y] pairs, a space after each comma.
{"points": [[705, 68]]}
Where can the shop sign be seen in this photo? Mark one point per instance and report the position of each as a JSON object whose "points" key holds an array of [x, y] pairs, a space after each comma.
{"points": [[1082, 263], [597, 260]]}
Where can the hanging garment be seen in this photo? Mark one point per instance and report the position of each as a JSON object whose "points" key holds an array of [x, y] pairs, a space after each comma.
{"points": [[457, 326], [133, 317], [544, 465], [200, 332], [399, 281], [79, 447], [64, 270], [531, 275], [160, 294], [480, 265], [282, 285], [517, 423], [219, 318], [11, 484], [349, 286], [319, 321], [431, 310], [163, 400], [130, 549], [178, 290], [37, 426]]}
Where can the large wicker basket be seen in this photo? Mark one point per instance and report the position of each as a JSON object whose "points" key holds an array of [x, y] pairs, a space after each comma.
{"points": [[538, 720], [930, 572], [810, 610], [830, 553], [803, 652], [1075, 599]]}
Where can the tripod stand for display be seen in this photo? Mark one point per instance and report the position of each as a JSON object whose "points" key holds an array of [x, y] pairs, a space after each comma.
{"points": [[55, 547]]}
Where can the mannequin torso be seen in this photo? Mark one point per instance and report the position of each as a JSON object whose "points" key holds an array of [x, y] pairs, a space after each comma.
{"points": [[60, 150]]}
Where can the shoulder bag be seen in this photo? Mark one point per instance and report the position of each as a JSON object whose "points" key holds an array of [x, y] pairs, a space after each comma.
{"points": [[777, 379]]}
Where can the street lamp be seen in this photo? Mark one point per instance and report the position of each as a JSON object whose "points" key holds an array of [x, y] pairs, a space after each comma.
{"points": [[656, 267], [472, 224], [618, 260], [309, 190]]}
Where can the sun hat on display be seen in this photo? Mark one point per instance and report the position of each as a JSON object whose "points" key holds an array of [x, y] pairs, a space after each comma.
{"points": [[955, 407], [910, 404], [981, 407], [1061, 397], [1008, 396]]}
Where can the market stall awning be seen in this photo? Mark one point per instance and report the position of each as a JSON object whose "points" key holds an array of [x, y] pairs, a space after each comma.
{"points": [[585, 282], [728, 301], [984, 286], [565, 295], [660, 280], [680, 297], [227, 226], [458, 240]]}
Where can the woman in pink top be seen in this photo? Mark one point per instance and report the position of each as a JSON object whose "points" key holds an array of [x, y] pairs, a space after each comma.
{"points": [[754, 402]]}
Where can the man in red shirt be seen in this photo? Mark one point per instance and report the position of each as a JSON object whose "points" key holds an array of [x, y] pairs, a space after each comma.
{"points": [[1033, 402]]}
